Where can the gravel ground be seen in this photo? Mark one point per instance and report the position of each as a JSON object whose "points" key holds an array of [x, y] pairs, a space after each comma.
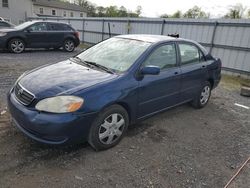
{"points": [[181, 147]]}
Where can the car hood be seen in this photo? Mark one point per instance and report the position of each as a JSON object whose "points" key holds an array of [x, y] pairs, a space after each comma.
{"points": [[62, 78], [6, 30]]}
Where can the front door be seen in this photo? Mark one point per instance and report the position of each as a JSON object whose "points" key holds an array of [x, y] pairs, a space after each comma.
{"points": [[36, 35], [158, 92]]}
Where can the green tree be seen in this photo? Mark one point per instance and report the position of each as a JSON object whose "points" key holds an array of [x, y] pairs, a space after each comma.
{"points": [[122, 12], [101, 11], [112, 11], [195, 12], [177, 14], [165, 16], [89, 7], [249, 13], [236, 11]]}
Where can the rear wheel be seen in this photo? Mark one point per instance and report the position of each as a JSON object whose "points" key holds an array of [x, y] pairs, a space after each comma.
{"points": [[203, 96], [69, 45], [108, 128], [16, 46]]}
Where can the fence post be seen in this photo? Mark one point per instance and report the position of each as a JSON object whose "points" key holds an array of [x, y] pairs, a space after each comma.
{"points": [[213, 36], [109, 30], [102, 29], [162, 26], [128, 30], [83, 28]]}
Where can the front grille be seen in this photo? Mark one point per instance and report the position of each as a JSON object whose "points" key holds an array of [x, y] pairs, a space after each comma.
{"points": [[23, 95]]}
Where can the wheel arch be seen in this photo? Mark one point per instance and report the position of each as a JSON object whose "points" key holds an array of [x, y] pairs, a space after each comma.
{"points": [[69, 38], [124, 105], [15, 37], [211, 81]]}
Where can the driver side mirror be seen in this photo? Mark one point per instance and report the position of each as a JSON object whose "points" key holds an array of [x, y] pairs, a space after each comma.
{"points": [[150, 70], [28, 30]]}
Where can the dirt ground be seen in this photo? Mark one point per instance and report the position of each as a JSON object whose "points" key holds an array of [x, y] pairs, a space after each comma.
{"points": [[181, 147]]}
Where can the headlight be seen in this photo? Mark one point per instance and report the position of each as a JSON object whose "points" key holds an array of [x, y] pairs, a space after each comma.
{"points": [[60, 104], [2, 34]]}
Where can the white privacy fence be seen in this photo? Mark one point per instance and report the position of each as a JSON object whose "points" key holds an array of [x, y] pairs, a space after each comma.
{"points": [[224, 38]]}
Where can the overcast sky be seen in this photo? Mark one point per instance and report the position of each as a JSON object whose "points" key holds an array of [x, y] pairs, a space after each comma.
{"points": [[154, 8]]}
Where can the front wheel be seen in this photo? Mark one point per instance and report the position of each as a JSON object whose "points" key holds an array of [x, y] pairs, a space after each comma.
{"points": [[203, 96], [69, 45], [16, 46], [108, 128]]}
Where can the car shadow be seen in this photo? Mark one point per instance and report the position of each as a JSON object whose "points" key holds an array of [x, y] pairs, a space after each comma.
{"points": [[31, 152]]}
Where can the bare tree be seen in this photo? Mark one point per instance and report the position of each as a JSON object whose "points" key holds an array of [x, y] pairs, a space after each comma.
{"points": [[236, 12]]}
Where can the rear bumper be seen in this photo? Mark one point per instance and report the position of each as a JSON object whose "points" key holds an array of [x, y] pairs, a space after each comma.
{"points": [[50, 128]]}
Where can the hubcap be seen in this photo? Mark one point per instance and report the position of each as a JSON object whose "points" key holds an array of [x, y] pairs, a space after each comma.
{"points": [[205, 95], [69, 46], [17, 46], [111, 129]]}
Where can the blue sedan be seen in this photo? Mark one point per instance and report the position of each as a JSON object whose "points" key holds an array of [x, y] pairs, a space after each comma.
{"points": [[95, 95]]}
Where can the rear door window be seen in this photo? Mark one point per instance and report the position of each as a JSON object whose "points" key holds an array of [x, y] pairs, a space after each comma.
{"points": [[60, 27], [190, 54]]}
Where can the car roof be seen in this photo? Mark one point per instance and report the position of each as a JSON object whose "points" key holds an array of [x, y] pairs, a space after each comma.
{"points": [[43, 21], [159, 38], [152, 38]]}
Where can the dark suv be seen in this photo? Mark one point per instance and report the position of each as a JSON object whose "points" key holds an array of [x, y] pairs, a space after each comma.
{"points": [[39, 34]]}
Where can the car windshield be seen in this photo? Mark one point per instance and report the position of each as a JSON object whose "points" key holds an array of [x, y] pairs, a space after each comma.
{"points": [[23, 25], [117, 54]]}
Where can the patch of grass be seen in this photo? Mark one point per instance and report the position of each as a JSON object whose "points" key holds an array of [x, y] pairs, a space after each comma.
{"points": [[84, 45], [233, 82]]}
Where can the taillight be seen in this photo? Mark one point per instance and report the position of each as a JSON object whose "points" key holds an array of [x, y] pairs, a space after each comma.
{"points": [[76, 34]]}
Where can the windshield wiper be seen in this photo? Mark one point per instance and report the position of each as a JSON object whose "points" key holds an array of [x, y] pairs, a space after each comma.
{"points": [[99, 66], [80, 60], [91, 64]]}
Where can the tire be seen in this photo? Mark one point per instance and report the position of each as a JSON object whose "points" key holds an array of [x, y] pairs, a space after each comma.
{"points": [[69, 45], [108, 128], [16, 46], [203, 96]]}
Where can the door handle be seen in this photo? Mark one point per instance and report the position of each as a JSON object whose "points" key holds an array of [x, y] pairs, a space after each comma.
{"points": [[203, 66], [176, 73]]}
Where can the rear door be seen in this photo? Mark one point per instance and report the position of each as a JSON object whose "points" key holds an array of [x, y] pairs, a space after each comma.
{"points": [[158, 92], [56, 34], [36, 35], [193, 68]]}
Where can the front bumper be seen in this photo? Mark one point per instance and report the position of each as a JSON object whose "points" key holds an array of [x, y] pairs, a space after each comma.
{"points": [[50, 128]]}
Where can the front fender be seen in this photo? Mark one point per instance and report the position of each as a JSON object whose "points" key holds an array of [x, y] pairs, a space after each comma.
{"points": [[121, 91]]}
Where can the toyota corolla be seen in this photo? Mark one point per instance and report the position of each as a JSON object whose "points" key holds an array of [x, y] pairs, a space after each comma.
{"points": [[95, 95]]}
